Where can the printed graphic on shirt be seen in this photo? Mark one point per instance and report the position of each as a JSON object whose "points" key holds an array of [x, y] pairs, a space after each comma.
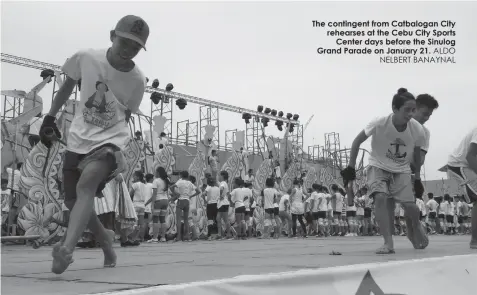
{"points": [[100, 108], [395, 152]]}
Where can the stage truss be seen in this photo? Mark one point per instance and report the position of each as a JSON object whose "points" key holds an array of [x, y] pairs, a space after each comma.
{"points": [[186, 132]]}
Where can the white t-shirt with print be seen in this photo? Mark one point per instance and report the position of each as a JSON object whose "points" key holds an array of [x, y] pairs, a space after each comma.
{"points": [[160, 185], [185, 189], [391, 150], [225, 189], [458, 158], [213, 194], [105, 93], [139, 198], [247, 193]]}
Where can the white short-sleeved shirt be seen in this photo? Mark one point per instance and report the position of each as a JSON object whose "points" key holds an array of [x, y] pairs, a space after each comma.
{"points": [[328, 202], [432, 205], [140, 193], [225, 187], [337, 202], [105, 94], [247, 193], [281, 205], [391, 150], [297, 206], [427, 140], [185, 189], [160, 185], [422, 207], [237, 196], [269, 197], [213, 194], [458, 158]]}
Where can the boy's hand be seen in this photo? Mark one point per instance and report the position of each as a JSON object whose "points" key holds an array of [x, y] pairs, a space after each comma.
{"points": [[348, 174], [418, 188], [49, 130]]}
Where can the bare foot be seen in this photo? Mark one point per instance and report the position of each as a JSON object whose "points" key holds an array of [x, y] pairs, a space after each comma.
{"points": [[109, 253], [473, 244], [62, 258], [421, 241], [384, 250]]}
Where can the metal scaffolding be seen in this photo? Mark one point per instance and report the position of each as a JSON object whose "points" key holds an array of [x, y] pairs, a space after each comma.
{"points": [[187, 133], [297, 136], [164, 109], [229, 139], [210, 116], [12, 107], [332, 148]]}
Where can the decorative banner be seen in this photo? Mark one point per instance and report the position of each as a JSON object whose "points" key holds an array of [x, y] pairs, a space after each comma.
{"points": [[391, 278]]}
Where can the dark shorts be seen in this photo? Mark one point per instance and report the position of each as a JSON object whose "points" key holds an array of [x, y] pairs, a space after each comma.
{"points": [[212, 211], [367, 212], [442, 216], [350, 213], [319, 215], [72, 171], [240, 210], [224, 208], [450, 218], [160, 205], [432, 215], [276, 211], [336, 214], [422, 216], [309, 217], [270, 211], [460, 220]]}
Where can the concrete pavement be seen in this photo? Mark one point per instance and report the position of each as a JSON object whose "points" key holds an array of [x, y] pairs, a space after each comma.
{"points": [[27, 271]]}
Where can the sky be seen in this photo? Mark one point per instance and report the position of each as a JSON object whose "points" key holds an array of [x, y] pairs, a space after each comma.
{"points": [[246, 54]]}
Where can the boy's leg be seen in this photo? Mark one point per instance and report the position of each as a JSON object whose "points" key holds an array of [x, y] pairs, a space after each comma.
{"points": [[79, 198], [384, 206], [401, 189]]}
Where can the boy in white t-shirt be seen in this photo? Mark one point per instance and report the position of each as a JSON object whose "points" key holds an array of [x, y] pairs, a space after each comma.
{"points": [[112, 88], [462, 167], [396, 143]]}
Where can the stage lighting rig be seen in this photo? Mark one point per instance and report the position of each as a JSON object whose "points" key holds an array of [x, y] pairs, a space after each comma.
{"points": [[246, 117], [267, 111], [181, 103], [155, 84], [289, 116], [274, 112], [260, 108]]}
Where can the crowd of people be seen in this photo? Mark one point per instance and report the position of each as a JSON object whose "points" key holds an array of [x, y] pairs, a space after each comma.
{"points": [[319, 211]]}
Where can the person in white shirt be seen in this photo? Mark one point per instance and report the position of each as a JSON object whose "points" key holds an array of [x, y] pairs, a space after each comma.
{"points": [[351, 217], [297, 207], [163, 140], [396, 143], [248, 202], [213, 163], [249, 177], [284, 211], [329, 212], [112, 89], [450, 213], [237, 197], [316, 200], [138, 195], [269, 197], [462, 167], [148, 208], [431, 207], [211, 197], [223, 207], [337, 205], [17, 199], [160, 203], [184, 190], [422, 209]]}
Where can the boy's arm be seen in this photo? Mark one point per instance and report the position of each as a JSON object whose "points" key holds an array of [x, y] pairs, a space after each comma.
{"points": [[136, 99], [357, 142]]}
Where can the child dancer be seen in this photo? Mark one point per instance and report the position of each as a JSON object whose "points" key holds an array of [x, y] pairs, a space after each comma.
{"points": [[223, 206], [269, 195], [211, 197], [112, 88], [160, 204], [138, 195], [297, 207], [237, 197], [396, 143]]}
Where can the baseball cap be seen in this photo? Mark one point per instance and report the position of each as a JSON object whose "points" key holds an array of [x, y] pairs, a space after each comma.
{"points": [[134, 28]]}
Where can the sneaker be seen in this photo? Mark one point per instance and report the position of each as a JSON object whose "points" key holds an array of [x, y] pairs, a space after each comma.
{"points": [[153, 241], [163, 240]]}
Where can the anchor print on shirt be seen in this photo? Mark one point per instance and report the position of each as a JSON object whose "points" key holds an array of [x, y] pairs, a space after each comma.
{"points": [[98, 111], [394, 152]]}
